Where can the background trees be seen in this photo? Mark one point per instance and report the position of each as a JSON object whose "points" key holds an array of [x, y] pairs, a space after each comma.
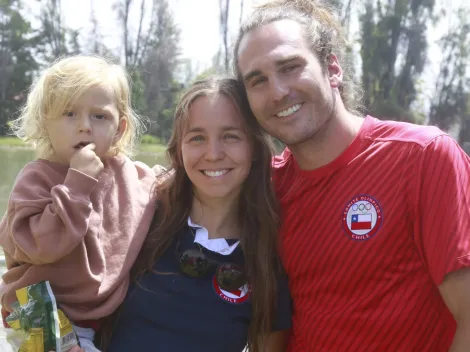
{"points": [[390, 51]]}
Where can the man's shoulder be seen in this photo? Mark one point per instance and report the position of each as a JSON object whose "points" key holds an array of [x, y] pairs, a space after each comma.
{"points": [[398, 131]]}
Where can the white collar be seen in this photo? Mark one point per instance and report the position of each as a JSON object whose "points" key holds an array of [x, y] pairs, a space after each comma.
{"points": [[218, 245]]}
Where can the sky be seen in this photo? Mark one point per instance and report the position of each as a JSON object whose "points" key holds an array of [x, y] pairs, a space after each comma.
{"points": [[198, 21]]}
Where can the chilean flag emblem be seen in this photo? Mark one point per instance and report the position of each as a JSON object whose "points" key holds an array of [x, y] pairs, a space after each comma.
{"points": [[361, 221], [362, 217]]}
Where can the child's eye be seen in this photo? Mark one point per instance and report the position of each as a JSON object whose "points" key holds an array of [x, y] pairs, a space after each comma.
{"points": [[69, 114], [100, 116]]}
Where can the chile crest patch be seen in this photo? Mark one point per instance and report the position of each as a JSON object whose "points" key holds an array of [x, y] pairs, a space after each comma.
{"points": [[239, 295], [362, 218]]}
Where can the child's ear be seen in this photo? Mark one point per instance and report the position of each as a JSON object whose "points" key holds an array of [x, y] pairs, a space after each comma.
{"points": [[121, 129]]}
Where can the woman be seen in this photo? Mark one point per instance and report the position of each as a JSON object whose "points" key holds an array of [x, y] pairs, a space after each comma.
{"points": [[208, 277]]}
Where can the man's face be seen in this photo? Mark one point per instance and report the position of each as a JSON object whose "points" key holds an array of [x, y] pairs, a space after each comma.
{"points": [[289, 92]]}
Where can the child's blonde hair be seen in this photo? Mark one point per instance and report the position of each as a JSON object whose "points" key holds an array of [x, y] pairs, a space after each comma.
{"points": [[58, 88]]}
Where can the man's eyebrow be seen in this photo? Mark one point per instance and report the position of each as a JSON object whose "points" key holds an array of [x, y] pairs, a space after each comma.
{"points": [[287, 60], [256, 73]]}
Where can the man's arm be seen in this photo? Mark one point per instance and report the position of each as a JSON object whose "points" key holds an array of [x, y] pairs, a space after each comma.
{"points": [[455, 290]]}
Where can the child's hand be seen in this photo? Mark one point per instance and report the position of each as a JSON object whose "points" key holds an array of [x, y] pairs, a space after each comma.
{"points": [[86, 161]]}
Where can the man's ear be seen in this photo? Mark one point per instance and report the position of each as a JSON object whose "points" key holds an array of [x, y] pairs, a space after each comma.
{"points": [[122, 126], [335, 72]]}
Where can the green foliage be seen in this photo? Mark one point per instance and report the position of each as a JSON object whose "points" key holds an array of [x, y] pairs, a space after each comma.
{"points": [[137, 92], [393, 48], [149, 139], [393, 51], [206, 73], [151, 55], [152, 148], [52, 39], [451, 104], [17, 63], [12, 141]]}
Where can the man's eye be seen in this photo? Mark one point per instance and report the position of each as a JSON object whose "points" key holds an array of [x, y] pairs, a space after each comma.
{"points": [[258, 81], [290, 68]]}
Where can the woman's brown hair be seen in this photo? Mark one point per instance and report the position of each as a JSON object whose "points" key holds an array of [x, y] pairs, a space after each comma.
{"points": [[257, 207]]}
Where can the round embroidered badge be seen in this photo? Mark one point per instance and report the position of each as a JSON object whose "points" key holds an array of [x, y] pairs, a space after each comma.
{"points": [[362, 218], [237, 296]]}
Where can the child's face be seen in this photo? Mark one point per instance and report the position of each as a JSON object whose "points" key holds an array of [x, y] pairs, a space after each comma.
{"points": [[94, 118]]}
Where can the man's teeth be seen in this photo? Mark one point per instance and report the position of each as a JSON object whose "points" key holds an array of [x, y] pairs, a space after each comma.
{"points": [[289, 111], [215, 173]]}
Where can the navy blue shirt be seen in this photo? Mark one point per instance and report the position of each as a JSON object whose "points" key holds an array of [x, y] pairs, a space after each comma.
{"points": [[168, 311]]}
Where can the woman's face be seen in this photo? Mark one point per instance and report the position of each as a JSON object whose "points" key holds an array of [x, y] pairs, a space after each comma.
{"points": [[216, 149]]}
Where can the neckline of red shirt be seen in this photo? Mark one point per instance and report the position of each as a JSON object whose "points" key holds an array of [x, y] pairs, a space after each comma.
{"points": [[343, 159]]}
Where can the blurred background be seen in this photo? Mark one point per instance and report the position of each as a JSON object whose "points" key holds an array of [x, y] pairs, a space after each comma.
{"points": [[411, 56]]}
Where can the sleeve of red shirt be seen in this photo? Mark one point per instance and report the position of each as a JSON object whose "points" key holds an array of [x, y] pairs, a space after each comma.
{"points": [[442, 226]]}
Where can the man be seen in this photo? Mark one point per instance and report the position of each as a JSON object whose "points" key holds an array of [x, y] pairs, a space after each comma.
{"points": [[375, 230]]}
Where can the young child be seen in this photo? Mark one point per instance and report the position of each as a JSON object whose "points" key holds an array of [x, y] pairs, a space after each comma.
{"points": [[78, 215]]}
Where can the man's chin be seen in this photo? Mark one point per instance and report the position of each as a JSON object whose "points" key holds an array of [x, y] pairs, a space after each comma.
{"points": [[294, 139]]}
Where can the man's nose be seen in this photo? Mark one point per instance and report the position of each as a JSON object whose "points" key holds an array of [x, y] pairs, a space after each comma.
{"points": [[278, 89]]}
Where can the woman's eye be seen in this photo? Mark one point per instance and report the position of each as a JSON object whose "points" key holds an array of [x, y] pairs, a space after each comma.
{"points": [[196, 139], [231, 136]]}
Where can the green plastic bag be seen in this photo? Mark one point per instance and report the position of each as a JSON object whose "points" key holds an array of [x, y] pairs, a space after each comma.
{"points": [[42, 325]]}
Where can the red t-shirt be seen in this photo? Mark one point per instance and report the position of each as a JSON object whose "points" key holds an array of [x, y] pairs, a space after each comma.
{"points": [[367, 240]]}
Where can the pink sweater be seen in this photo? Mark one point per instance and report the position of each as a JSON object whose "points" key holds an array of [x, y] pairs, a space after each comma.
{"points": [[80, 233]]}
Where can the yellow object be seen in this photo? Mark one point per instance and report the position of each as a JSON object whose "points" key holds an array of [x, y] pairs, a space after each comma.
{"points": [[45, 327]]}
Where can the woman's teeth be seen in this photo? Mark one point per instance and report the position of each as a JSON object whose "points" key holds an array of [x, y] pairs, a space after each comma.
{"points": [[214, 173]]}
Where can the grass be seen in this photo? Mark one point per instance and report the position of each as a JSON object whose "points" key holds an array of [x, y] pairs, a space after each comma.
{"points": [[152, 148], [143, 148], [11, 141]]}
